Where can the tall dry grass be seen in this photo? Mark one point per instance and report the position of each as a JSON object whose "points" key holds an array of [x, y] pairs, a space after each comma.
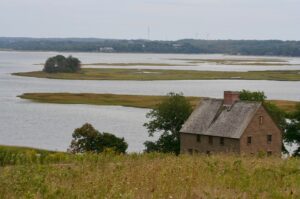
{"points": [[155, 175]]}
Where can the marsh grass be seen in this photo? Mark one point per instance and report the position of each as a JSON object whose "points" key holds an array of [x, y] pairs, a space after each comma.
{"points": [[131, 64], [149, 74], [241, 62], [137, 101], [153, 175], [236, 60], [123, 64]]}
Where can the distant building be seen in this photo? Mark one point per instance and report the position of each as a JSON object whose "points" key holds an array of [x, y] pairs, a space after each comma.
{"points": [[176, 45], [230, 126], [106, 49]]}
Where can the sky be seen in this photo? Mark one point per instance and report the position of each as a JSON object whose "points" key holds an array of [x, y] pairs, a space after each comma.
{"points": [[152, 19]]}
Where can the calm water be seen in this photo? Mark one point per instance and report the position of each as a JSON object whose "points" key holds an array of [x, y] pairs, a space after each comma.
{"points": [[50, 126]]}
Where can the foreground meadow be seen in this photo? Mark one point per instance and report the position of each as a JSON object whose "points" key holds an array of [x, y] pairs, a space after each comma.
{"points": [[27, 174]]}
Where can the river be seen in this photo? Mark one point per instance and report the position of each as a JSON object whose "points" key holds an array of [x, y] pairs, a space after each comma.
{"points": [[50, 126]]}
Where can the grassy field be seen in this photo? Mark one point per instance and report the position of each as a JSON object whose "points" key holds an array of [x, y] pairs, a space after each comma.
{"points": [[149, 176], [138, 101], [148, 74]]}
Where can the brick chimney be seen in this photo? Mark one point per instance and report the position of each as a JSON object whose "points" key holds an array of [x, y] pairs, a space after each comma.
{"points": [[230, 97]]}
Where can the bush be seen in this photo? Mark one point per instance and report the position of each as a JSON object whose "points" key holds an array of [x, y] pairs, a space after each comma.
{"points": [[88, 139], [60, 63]]}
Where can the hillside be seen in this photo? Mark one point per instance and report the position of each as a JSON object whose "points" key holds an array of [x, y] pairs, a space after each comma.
{"points": [[60, 175]]}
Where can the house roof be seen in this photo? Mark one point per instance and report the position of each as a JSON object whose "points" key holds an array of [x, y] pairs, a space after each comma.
{"points": [[212, 118]]}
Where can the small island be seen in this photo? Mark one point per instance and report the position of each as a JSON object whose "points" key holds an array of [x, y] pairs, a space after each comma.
{"points": [[69, 68], [136, 101], [160, 74]]}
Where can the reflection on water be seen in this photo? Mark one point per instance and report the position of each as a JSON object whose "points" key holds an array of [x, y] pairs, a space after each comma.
{"points": [[50, 126]]}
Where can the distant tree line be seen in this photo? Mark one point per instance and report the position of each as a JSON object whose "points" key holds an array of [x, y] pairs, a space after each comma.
{"points": [[233, 47]]}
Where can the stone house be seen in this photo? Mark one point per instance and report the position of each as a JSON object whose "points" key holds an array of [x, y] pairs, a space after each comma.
{"points": [[230, 126]]}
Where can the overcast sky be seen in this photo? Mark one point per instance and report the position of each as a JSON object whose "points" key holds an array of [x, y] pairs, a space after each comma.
{"points": [[165, 19]]}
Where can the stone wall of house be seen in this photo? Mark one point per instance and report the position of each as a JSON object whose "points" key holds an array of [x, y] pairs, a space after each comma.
{"points": [[189, 143], [259, 128]]}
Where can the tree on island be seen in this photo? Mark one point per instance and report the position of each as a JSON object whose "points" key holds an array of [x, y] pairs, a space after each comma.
{"points": [[62, 64], [167, 118], [88, 139]]}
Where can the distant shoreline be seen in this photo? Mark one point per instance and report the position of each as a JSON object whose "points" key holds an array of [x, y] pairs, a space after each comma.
{"points": [[183, 46], [145, 53]]}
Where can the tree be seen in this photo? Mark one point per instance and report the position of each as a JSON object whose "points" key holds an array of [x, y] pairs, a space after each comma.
{"points": [[252, 96], [88, 139], [60, 63], [167, 118], [292, 134]]}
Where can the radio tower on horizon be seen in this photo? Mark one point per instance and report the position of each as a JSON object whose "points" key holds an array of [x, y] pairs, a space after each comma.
{"points": [[148, 33]]}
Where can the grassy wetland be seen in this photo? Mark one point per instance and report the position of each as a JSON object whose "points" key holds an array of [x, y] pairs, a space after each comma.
{"points": [[107, 175], [137, 101], [240, 62], [149, 74], [130, 64]]}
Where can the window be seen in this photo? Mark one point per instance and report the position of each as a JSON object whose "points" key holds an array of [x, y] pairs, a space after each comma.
{"points": [[198, 138], [222, 141], [261, 118], [210, 139], [269, 138], [249, 140], [269, 153]]}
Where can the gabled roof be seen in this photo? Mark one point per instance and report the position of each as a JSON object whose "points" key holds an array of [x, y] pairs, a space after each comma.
{"points": [[214, 119]]}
